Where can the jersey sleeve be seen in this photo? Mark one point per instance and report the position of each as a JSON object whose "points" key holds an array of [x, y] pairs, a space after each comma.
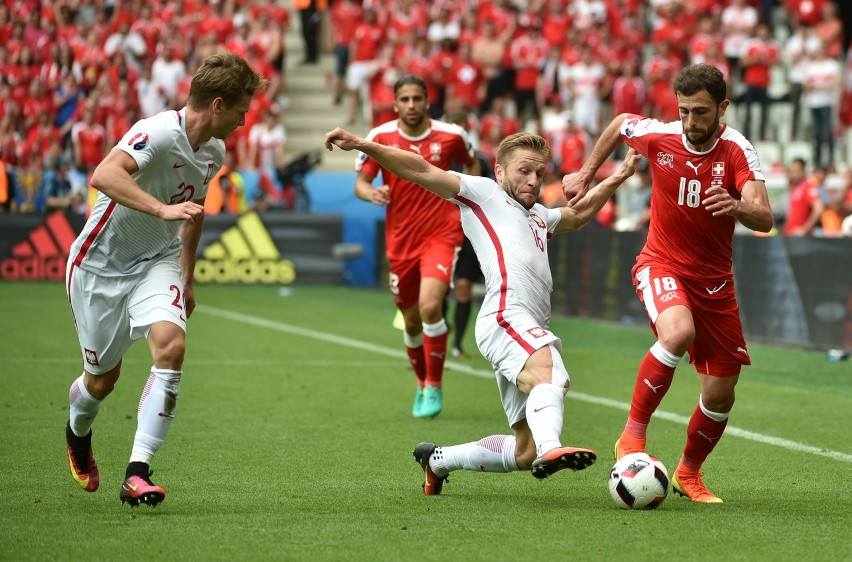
{"points": [[474, 188], [634, 131], [551, 217], [146, 139], [748, 167]]}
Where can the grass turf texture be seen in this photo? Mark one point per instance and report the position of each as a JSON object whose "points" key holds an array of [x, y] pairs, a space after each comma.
{"points": [[289, 448]]}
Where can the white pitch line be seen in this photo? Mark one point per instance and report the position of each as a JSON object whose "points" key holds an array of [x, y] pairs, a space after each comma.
{"points": [[467, 369]]}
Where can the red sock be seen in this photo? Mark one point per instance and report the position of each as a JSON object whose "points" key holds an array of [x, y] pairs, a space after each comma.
{"points": [[702, 435], [417, 358], [652, 383], [435, 350]]}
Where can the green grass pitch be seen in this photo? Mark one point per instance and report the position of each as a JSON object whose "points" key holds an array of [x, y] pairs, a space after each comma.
{"points": [[293, 441]]}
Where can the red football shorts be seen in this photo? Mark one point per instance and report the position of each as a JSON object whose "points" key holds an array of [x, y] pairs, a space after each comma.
{"points": [[719, 348], [435, 261]]}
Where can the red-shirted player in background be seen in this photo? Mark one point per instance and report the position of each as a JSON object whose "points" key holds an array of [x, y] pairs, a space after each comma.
{"points": [[706, 176], [422, 232]]}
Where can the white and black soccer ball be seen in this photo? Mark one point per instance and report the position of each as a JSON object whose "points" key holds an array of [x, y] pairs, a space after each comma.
{"points": [[639, 481]]}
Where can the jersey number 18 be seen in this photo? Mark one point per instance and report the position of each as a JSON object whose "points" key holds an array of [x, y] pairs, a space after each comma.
{"points": [[689, 193]]}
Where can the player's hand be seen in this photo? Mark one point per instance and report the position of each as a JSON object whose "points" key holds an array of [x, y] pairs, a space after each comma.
{"points": [[628, 165], [188, 211], [381, 195], [343, 139], [719, 201], [188, 299], [575, 186]]}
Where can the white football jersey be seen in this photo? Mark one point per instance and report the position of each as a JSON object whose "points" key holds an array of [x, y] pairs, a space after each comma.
{"points": [[118, 240], [511, 245]]}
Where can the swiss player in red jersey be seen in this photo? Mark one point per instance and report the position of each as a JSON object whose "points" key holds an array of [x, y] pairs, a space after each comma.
{"points": [[706, 176], [422, 232]]}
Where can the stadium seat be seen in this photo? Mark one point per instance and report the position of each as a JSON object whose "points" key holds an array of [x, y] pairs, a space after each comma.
{"points": [[798, 149], [769, 154]]}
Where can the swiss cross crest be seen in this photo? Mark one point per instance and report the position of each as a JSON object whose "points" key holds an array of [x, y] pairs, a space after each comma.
{"points": [[718, 168], [435, 148], [92, 357]]}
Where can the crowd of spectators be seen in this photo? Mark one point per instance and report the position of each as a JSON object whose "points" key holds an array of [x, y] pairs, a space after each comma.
{"points": [[75, 74], [563, 68]]}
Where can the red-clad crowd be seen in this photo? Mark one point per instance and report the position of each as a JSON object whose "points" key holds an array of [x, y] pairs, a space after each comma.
{"points": [[75, 75], [585, 60]]}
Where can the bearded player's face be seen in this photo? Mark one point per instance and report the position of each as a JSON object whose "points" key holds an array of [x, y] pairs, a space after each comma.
{"points": [[411, 104], [701, 117]]}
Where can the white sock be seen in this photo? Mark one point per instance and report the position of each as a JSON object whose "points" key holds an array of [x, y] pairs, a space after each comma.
{"points": [[156, 410], [545, 405], [83, 407], [439, 328], [495, 453]]}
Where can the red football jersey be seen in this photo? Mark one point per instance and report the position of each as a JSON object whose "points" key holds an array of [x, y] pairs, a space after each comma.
{"points": [[682, 232], [414, 214]]}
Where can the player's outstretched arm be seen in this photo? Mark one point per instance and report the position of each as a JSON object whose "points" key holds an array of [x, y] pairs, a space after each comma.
{"points": [[401, 163], [113, 177], [575, 185], [575, 217]]}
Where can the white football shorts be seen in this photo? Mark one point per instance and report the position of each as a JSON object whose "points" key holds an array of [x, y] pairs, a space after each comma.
{"points": [[111, 313], [501, 344]]}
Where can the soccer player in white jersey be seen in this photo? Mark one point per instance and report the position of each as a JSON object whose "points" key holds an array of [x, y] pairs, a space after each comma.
{"points": [[706, 177], [509, 232], [130, 272]]}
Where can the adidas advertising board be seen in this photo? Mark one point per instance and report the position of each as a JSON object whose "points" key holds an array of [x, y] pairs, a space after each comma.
{"points": [[244, 253], [38, 245], [278, 248]]}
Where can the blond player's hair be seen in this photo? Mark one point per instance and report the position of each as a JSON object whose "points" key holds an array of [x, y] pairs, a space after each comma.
{"points": [[520, 141], [227, 76]]}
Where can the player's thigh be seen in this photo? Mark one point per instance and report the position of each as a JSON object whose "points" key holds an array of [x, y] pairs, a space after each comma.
{"points": [[404, 282], [99, 307], [158, 297], [507, 341], [659, 288], [719, 348], [437, 259]]}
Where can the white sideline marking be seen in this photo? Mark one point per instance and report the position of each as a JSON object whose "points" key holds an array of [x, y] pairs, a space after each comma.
{"points": [[467, 369]]}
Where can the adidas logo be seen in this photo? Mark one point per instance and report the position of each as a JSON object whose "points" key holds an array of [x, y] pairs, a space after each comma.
{"points": [[245, 253], [43, 255]]}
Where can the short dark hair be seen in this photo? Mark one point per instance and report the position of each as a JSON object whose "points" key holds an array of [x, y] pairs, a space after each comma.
{"points": [[697, 77], [407, 80]]}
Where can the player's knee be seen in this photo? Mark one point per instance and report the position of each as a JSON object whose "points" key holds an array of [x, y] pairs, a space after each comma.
{"points": [[717, 406], [431, 312], [678, 341], [100, 386], [559, 376], [170, 354]]}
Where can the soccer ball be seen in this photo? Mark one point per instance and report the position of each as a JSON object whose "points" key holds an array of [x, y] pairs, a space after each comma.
{"points": [[639, 481]]}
